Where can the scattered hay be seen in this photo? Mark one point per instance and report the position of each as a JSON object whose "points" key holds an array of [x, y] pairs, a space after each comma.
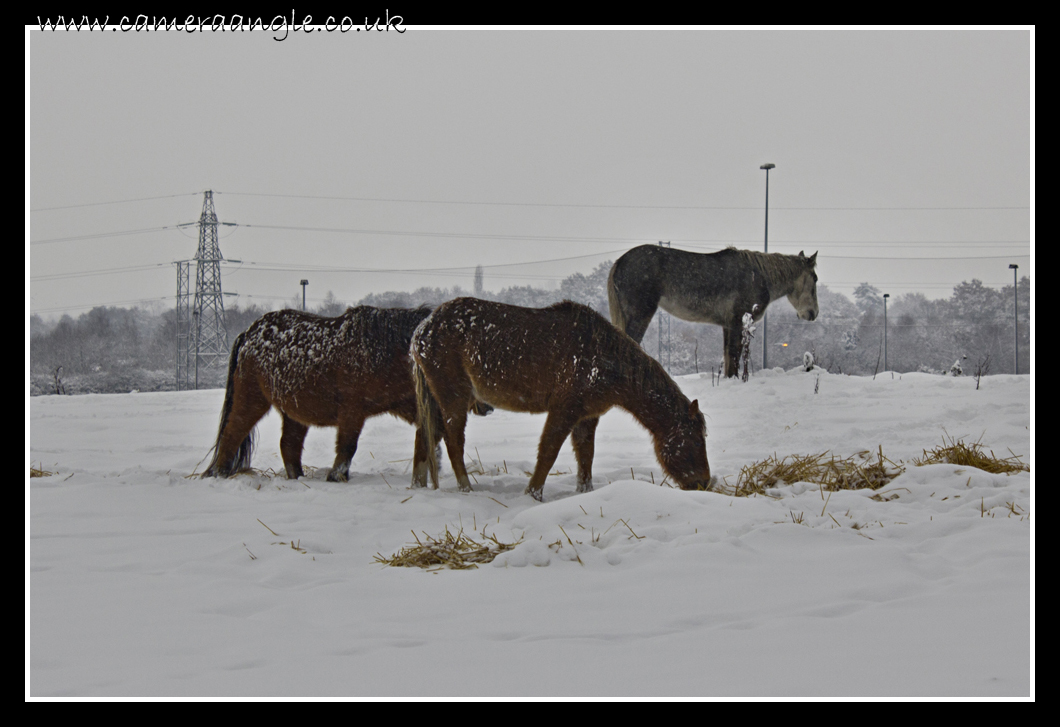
{"points": [[860, 471], [827, 471], [39, 472], [264, 474], [458, 552], [957, 452]]}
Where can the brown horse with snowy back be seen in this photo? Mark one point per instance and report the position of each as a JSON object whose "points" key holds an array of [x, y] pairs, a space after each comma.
{"points": [[566, 360], [317, 372]]}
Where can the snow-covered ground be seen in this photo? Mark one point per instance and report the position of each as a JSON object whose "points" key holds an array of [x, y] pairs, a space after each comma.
{"points": [[145, 582]]}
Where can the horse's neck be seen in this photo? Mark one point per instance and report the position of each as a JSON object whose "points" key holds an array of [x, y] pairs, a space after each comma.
{"points": [[778, 286], [776, 292], [652, 406]]}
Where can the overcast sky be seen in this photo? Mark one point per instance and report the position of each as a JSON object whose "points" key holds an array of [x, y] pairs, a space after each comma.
{"points": [[903, 157]]}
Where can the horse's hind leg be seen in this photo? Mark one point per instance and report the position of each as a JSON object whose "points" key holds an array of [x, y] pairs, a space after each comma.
{"points": [[421, 451], [583, 439], [453, 401], [638, 316], [345, 448], [638, 306], [249, 405], [421, 457], [423, 463], [454, 444], [291, 441]]}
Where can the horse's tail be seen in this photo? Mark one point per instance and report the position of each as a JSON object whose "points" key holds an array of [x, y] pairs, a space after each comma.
{"points": [[428, 417], [614, 301], [241, 460]]}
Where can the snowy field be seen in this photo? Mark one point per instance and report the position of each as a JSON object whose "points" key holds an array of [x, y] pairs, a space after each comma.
{"points": [[145, 582]]}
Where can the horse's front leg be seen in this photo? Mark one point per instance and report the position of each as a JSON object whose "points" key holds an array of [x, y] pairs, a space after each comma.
{"points": [[291, 440], [583, 439], [558, 425], [345, 447], [732, 339]]}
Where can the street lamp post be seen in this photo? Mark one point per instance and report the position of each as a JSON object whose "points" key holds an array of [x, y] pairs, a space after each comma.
{"points": [[885, 297], [765, 346], [1015, 318], [304, 283]]}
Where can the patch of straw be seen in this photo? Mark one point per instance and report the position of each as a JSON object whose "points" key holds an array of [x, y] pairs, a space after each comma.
{"points": [[39, 472], [859, 471], [458, 552], [959, 453], [825, 470]]}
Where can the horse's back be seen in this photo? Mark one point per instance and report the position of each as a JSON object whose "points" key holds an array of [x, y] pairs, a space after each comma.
{"points": [[486, 327], [704, 287], [314, 368], [514, 358]]}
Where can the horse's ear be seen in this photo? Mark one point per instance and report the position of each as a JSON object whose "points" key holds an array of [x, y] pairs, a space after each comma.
{"points": [[693, 408], [813, 259]]}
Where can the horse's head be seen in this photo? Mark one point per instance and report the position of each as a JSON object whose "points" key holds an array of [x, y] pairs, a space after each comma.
{"points": [[684, 452], [803, 296]]}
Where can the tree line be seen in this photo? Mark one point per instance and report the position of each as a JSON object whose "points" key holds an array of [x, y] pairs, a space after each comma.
{"points": [[121, 349]]}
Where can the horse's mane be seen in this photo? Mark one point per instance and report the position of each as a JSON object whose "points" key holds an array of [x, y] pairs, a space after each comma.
{"points": [[617, 348], [387, 326], [779, 269]]}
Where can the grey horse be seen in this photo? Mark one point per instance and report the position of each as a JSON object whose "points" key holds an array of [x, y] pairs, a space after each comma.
{"points": [[716, 288]]}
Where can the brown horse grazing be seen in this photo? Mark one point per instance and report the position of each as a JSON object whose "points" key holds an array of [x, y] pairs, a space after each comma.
{"points": [[565, 360], [317, 372]]}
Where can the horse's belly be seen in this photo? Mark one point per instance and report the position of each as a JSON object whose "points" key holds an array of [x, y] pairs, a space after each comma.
{"points": [[510, 384], [717, 310], [511, 398], [310, 410]]}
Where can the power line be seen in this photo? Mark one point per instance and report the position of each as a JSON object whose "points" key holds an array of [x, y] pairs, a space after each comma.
{"points": [[105, 271], [448, 235], [916, 259], [689, 242], [165, 298], [281, 267], [591, 206], [97, 235], [119, 201], [408, 200]]}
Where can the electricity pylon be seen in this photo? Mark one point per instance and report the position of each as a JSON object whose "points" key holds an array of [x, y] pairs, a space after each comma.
{"points": [[202, 339]]}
